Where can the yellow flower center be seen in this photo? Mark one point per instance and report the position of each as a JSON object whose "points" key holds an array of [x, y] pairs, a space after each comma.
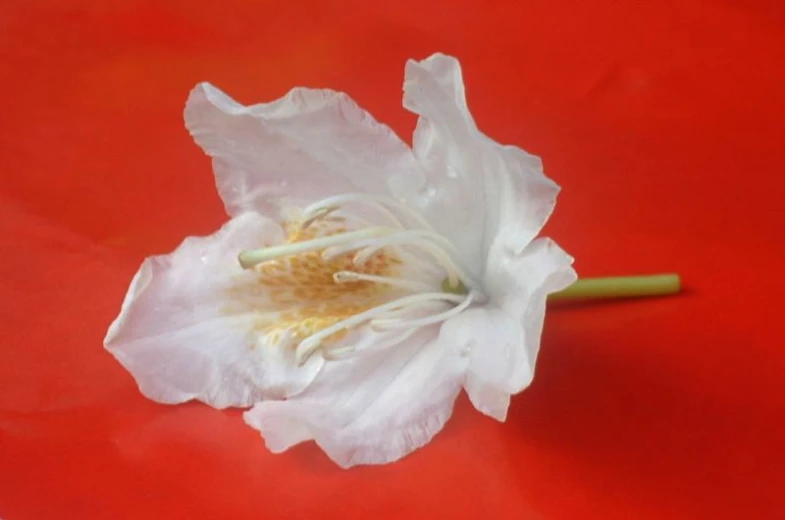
{"points": [[336, 272], [305, 285]]}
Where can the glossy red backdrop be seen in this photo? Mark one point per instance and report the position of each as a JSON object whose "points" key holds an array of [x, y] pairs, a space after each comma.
{"points": [[664, 123]]}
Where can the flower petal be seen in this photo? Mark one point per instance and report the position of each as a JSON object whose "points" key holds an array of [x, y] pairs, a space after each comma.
{"points": [[310, 143], [474, 188], [184, 334], [371, 409], [506, 333]]}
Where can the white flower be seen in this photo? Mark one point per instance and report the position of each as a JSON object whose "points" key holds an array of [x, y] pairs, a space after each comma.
{"points": [[379, 279]]}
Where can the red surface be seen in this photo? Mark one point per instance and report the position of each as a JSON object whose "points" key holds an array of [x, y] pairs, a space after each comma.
{"points": [[665, 124]]}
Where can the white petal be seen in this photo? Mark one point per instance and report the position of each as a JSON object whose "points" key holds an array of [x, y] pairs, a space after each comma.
{"points": [[371, 409], [475, 189], [308, 144], [506, 333], [185, 332]]}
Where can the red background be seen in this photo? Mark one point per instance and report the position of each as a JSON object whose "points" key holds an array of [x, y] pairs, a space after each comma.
{"points": [[663, 123]]}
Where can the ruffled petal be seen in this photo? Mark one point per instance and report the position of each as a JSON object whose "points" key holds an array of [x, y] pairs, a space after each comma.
{"points": [[474, 189], [506, 334], [374, 408], [309, 144], [186, 327]]}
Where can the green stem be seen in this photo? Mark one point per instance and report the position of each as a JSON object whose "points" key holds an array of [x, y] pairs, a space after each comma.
{"points": [[620, 287]]}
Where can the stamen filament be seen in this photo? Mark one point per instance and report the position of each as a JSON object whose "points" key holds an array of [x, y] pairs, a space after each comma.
{"points": [[318, 215], [401, 313], [393, 324], [252, 257], [331, 252], [334, 203], [337, 353], [313, 342], [416, 236], [454, 273], [352, 276], [376, 201]]}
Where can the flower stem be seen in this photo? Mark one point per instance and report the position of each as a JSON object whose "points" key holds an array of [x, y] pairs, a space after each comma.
{"points": [[620, 287]]}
